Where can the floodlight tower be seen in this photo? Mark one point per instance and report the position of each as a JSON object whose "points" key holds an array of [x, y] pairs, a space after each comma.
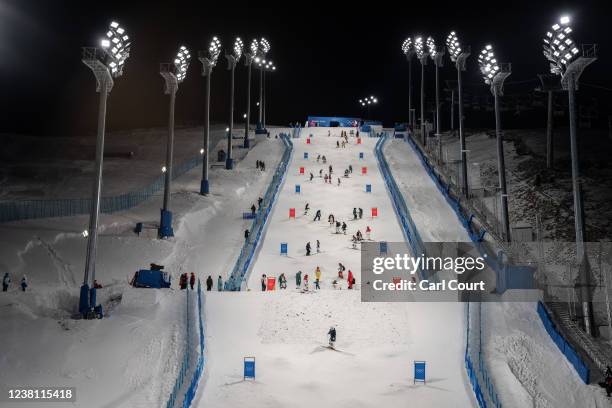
{"points": [[368, 102], [408, 50], [437, 55], [106, 62], [264, 48], [173, 74], [422, 54], [459, 56], [208, 59], [267, 67], [232, 60], [495, 74], [566, 61], [249, 56]]}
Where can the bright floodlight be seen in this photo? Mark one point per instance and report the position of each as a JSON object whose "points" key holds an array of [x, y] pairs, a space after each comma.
{"points": [[117, 48], [489, 67], [431, 46], [559, 48], [419, 47], [454, 48], [407, 46], [238, 46], [181, 63], [254, 46], [214, 50], [264, 47], [370, 100]]}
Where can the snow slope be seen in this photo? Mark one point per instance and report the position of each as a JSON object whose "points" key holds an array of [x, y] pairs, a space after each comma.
{"points": [[129, 359], [286, 330]]}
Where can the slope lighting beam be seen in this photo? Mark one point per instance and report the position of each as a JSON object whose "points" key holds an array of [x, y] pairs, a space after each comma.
{"points": [[437, 55], [173, 73], [494, 74], [422, 55], [408, 50], [232, 60], [209, 60], [459, 55], [567, 61], [264, 48], [106, 62], [249, 57]]}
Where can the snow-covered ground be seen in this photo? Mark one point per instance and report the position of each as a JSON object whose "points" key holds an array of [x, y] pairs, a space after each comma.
{"points": [[286, 330], [130, 358]]}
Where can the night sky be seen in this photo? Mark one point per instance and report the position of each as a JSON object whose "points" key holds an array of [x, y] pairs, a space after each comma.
{"points": [[327, 56]]}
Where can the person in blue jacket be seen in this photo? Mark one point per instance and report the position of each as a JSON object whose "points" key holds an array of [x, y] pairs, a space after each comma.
{"points": [[24, 283]]}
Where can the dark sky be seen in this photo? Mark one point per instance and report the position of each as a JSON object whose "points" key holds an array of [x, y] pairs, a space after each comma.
{"points": [[327, 55]]}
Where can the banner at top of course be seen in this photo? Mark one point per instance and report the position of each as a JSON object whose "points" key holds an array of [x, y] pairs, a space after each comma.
{"points": [[332, 121]]}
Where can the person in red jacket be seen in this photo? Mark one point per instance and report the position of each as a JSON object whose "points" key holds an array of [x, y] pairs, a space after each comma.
{"points": [[192, 280], [351, 280]]}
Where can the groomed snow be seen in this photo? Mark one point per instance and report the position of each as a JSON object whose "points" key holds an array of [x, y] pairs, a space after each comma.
{"points": [[286, 330]]}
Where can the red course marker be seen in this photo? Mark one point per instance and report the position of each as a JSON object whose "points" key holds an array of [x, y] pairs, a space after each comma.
{"points": [[358, 140], [374, 212], [292, 213], [301, 170], [308, 141], [364, 170]]}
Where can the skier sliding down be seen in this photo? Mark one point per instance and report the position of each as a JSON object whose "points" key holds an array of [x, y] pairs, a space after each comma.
{"points": [[332, 337]]}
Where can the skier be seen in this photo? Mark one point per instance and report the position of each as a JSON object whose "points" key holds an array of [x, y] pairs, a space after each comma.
{"points": [[209, 283], [318, 247], [359, 236], [306, 208], [368, 232], [5, 282], [350, 168], [346, 173], [354, 241], [253, 209], [183, 281], [219, 284], [311, 176], [351, 279], [344, 227], [259, 201], [338, 181], [282, 280], [263, 282], [360, 213], [246, 234], [331, 170], [24, 283], [337, 144], [306, 282], [337, 227], [341, 270], [192, 280], [317, 216], [332, 336], [298, 279], [354, 213], [308, 249]]}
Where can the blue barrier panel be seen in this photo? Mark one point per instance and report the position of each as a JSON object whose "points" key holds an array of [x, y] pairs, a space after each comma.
{"points": [[248, 216], [382, 246], [360, 155], [305, 155], [298, 189], [249, 367], [368, 188], [283, 249], [419, 371]]}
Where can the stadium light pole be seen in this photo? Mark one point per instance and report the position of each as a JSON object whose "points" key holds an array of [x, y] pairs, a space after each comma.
{"points": [[550, 85], [232, 60], [408, 50], [267, 67], [208, 59], [249, 57], [459, 56], [106, 62], [422, 55], [173, 73], [567, 61], [437, 55], [494, 74], [264, 48], [368, 102]]}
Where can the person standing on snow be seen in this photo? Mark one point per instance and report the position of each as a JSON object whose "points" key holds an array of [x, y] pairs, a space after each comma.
{"points": [[320, 173], [24, 283], [331, 170], [282, 280], [298, 279], [306, 282], [350, 168], [318, 273], [332, 336], [338, 225], [263, 282], [351, 279], [360, 213], [306, 208], [209, 283], [354, 213], [192, 280], [6, 282], [253, 209], [308, 249], [219, 284], [354, 241], [311, 176], [318, 247], [341, 270], [368, 232], [246, 234], [344, 227]]}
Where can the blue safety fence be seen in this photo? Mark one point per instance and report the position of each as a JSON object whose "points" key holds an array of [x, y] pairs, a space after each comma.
{"points": [[29, 209], [582, 369], [249, 248], [411, 234], [191, 369]]}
